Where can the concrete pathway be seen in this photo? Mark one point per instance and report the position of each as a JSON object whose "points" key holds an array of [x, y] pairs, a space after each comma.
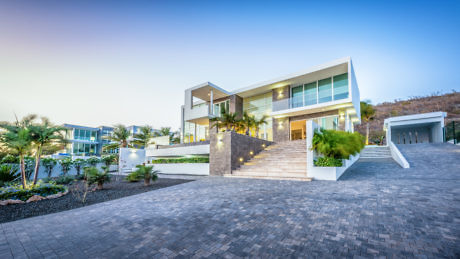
{"points": [[376, 209]]}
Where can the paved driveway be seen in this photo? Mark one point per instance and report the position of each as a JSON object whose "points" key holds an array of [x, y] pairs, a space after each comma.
{"points": [[377, 209]]}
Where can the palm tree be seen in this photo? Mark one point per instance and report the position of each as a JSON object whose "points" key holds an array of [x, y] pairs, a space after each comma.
{"points": [[248, 122], [143, 138], [119, 137], [78, 164], [367, 114], [17, 138], [49, 164], [45, 135], [260, 122]]}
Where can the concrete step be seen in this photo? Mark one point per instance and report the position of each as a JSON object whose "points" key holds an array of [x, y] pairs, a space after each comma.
{"points": [[267, 173], [305, 179]]}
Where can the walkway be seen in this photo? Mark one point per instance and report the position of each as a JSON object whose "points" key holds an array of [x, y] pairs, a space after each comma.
{"points": [[377, 209]]}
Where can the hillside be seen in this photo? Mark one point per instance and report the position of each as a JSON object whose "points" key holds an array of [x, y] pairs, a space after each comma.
{"points": [[449, 103]]}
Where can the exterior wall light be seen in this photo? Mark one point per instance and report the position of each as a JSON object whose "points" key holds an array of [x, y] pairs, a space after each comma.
{"points": [[251, 153], [263, 145], [241, 159]]}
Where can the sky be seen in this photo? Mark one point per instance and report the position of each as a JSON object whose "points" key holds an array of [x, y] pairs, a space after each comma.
{"points": [[107, 62]]}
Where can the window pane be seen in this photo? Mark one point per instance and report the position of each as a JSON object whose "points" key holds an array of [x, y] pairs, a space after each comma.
{"points": [[341, 86], [325, 90], [310, 93], [86, 148], [297, 96]]}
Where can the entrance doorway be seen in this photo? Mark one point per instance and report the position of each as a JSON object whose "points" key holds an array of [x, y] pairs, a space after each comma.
{"points": [[298, 130]]}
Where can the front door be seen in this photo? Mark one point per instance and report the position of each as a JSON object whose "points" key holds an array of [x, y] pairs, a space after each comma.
{"points": [[298, 130]]}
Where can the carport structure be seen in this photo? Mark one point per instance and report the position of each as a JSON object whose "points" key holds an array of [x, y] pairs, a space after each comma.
{"points": [[416, 128]]}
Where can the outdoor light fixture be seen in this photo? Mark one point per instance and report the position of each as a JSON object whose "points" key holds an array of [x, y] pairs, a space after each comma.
{"points": [[241, 159], [251, 153], [263, 145]]}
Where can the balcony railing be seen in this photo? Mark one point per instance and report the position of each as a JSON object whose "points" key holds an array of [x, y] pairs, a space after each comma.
{"points": [[296, 102]]}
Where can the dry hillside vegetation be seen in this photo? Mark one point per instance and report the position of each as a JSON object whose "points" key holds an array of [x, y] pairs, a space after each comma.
{"points": [[449, 103]]}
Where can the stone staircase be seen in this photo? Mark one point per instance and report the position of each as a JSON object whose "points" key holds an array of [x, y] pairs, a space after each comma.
{"points": [[373, 152], [280, 161]]}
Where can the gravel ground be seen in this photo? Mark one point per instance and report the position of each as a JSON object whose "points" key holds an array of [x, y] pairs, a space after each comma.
{"points": [[113, 190]]}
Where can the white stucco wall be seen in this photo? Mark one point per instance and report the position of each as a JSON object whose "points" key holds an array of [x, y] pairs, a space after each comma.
{"points": [[130, 157], [183, 168], [178, 151]]}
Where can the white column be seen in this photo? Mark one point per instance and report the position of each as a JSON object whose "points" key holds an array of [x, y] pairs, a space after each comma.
{"points": [[211, 103], [194, 136]]}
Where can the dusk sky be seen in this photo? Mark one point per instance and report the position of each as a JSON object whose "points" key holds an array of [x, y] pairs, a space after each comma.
{"points": [[106, 62]]}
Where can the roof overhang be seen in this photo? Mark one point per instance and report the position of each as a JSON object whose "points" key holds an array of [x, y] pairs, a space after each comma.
{"points": [[203, 91], [312, 74], [421, 119]]}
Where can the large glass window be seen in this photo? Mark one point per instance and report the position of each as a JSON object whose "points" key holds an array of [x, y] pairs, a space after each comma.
{"points": [[341, 86], [325, 90], [258, 106], [297, 96], [219, 108], [329, 123], [310, 93]]}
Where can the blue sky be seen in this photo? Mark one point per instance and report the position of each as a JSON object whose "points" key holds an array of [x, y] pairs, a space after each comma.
{"points": [[108, 62]]}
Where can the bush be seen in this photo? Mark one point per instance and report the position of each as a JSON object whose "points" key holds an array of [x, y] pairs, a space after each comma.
{"points": [[78, 164], [8, 173], [337, 144], [93, 161], [147, 173], [10, 159], [94, 176], [64, 179], [66, 164], [133, 177], [49, 164], [198, 159], [16, 192], [328, 162], [109, 159]]}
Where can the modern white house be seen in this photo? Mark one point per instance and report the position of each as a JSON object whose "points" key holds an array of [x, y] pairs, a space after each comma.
{"points": [[326, 95]]}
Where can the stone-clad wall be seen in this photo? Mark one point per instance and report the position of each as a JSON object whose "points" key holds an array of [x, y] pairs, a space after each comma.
{"points": [[226, 149]]}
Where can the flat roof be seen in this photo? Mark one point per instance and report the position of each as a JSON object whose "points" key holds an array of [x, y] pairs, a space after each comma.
{"points": [[417, 116], [264, 86]]}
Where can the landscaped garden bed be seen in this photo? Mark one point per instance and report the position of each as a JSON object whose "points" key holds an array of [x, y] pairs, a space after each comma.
{"points": [[112, 190]]}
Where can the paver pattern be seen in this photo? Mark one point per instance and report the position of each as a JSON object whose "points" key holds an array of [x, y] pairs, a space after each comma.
{"points": [[377, 209]]}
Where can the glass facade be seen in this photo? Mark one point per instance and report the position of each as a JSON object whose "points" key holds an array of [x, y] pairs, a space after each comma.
{"points": [[329, 123], [340, 86], [202, 132], [325, 90], [258, 106], [88, 135], [321, 91], [84, 149], [219, 108]]}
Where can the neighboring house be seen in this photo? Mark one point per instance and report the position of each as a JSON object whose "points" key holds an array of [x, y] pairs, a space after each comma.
{"points": [[89, 141], [327, 93]]}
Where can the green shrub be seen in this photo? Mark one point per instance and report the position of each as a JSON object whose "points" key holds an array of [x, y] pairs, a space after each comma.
{"points": [[66, 164], [93, 161], [109, 159], [78, 164], [10, 159], [198, 159], [16, 192], [49, 164], [328, 162], [147, 173], [95, 176], [337, 144], [133, 177], [8, 173], [64, 179]]}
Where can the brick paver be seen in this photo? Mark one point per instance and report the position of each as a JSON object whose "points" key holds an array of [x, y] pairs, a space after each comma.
{"points": [[377, 209]]}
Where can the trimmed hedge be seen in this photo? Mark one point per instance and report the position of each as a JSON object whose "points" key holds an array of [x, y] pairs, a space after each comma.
{"points": [[181, 160], [328, 162], [16, 192]]}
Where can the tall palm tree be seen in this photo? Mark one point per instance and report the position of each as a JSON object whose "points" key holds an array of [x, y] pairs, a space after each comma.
{"points": [[17, 138], [143, 138], [248, 122], [119, 137], [260, 122], [367, 114], [45, 135]]}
